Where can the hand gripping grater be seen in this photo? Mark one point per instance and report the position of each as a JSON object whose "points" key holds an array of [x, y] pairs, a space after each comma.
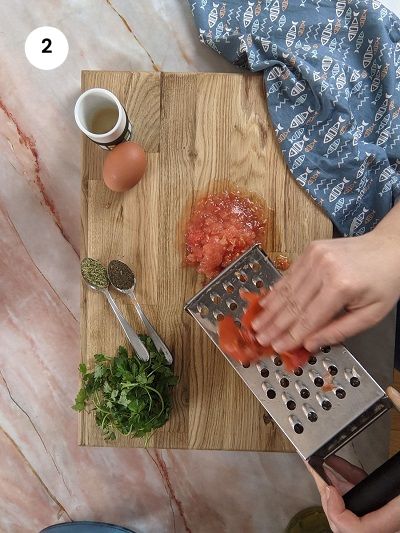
{"points": [[318, 423]]}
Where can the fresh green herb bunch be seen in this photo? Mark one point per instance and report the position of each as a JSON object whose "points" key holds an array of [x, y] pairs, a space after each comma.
{"points": [[127, 395]]}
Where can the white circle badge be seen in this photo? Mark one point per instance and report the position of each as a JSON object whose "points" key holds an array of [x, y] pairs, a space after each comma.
{"points": [[46, 48]]}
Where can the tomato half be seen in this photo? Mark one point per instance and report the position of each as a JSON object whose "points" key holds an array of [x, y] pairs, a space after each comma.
{"points": [[237, 343], [240, 342]]}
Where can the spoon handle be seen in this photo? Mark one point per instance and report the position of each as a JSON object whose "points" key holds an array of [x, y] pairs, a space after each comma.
{"points": [[133, 338], [152, 333]]}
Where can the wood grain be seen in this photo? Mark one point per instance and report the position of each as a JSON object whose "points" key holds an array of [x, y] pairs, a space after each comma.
{"points": [[203, 133]]}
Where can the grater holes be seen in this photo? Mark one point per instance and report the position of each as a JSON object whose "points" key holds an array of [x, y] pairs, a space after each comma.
{"points": [[298, 371], [332, 369], [352, 376], [340, 393], [269, 391], [258, 282], [242, 293], [291, 405], [245, 365], [318, 382], [215, 298], [277, 361], [255, 266], [326, 349], [302, 389], [296, 424], [241, 276], [282, 379], [330, 366], [229, 288], [310, 412], [326, 405], [218, 316], [312, 360], [284, 382], [264, 372], [289, 402], [323, 401], [316, 378], [312, 416], [203, 310], [232, 305]]}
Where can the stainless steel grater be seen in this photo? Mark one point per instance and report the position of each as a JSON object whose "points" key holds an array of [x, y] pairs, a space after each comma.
{"points": [[317, 423]]}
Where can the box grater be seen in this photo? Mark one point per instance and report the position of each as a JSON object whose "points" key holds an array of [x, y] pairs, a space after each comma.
{"points": [[317, 423]]}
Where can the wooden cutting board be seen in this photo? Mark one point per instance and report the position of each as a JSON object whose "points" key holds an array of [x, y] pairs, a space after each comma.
{"points": [[203, 133]]}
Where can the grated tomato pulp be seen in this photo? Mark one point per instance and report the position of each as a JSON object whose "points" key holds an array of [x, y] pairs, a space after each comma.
{"points": [[221, 227]]}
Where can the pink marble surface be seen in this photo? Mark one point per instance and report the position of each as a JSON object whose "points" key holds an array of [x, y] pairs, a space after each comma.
{"points": [[44, 476]]}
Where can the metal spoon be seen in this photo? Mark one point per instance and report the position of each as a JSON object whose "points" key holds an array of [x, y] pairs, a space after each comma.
{"points": [[130, 291], [132, 336]]}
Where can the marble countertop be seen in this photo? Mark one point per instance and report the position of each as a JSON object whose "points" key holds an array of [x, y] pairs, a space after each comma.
{"points": [[44, 476]]}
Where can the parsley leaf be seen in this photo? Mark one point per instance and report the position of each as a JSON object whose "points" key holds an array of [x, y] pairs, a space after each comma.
{"points": [[80, 400]]}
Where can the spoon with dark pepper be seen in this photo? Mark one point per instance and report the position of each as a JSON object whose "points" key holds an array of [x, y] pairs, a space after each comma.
{"points": [[95, 275], [123, 280]]}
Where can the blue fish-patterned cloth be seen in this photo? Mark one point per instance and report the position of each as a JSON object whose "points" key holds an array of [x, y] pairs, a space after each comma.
{"points": [[332, 78]]}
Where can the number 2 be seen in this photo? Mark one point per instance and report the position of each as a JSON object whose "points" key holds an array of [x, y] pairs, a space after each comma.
{"points": [[46, 49]]}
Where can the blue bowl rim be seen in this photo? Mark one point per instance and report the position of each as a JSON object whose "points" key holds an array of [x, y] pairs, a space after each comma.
{"points": [[120, 529]]}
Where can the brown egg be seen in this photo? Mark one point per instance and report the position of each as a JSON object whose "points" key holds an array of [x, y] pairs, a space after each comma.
{"points": [[124, 166]]}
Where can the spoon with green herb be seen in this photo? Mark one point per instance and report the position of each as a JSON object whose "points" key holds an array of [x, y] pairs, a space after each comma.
{"points": [[95, 275], [123, 279]]}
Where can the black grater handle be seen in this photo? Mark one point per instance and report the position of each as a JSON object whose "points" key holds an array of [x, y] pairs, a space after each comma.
{"points": [[375, 491]]}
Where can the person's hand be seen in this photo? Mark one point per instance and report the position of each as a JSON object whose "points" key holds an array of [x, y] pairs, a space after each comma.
{"points": [[336, 289], [384, 520]]}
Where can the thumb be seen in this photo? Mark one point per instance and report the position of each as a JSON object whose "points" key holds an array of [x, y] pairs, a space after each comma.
{"points": [[340, 329], [340, 519]]}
